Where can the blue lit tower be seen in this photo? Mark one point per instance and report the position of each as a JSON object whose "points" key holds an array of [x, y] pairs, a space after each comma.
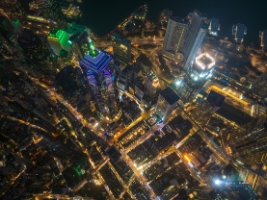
{"points": [[98, 68], [214, 26], [263, 39], [239, 30]]}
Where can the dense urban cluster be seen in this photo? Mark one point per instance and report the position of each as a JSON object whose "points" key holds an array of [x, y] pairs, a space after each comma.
{"points": [[153, 110]]}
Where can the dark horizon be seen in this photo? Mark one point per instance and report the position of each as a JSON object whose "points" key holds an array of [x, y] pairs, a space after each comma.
{"points": [[102, 17]]}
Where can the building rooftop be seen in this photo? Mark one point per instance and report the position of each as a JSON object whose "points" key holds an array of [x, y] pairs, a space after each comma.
{"points": [[233, 114], [181, 20], [204, 62], [215, 98], [169, 95], [113, 153], [143, 59], [118, 38], [96, 61]]}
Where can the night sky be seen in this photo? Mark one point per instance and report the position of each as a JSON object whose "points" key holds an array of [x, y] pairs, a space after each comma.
{"points": [[103, 15]]}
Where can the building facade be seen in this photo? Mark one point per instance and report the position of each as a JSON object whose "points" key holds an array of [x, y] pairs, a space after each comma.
{"points": [[167, 101], [121, 48]]}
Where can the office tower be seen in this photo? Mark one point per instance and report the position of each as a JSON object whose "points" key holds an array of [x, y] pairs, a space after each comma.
{"points": [[13, 8], [196, 44], [167, 101], [183, 37], [97, 66], [144, 63], [239, 30], [204, 109], [263, 39], [214, 26], [196, 77], [121, 48], [194, 37], [175, 35], [151, 84], [58, 40], [44, 63]]}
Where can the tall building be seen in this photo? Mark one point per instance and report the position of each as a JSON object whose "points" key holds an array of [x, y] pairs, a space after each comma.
{"points": [[97, 66], [214, 26], [196, 44], [13, 8], [167, 101], [151, 84], [194, 36], [184, 36], [196, 77], [44, 63], [121, 48], [263, 39], [259, 86], [58, 40], [174, 37], [239, 30]]}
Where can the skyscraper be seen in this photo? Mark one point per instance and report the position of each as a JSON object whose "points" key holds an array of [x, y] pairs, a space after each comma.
{"points": [[184, 36], [167, 101], [196, 76], [263, 39], [194, 36], [214, 26], [239, 30], [121, 48], [97, 66], [174, 37]]}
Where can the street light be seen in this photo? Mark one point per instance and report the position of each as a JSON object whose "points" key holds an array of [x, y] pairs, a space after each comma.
{"points": [[217, 182]]}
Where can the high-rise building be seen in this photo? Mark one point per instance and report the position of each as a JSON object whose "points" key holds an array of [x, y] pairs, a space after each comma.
{"points": [[194, 36], [263, 39], [151, 84], [167, 101], [214, 26], [121, 48], [13, 8], [239, 30], [196, 77], [58, 39], [44, 63], [184, 36], [97, 66], [174, 37], [196, 44], [259, 86]]}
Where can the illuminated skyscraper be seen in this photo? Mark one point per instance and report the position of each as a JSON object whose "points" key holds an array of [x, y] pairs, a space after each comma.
{"points": [[239, 30], [263, 39], [196, 76], [167, 101], [174, 37], [13, 8], [184, 36], [121, 48], [97, 66], [151, 84], [45, 64], [194, 37], [58, 39], [214, 26]]}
